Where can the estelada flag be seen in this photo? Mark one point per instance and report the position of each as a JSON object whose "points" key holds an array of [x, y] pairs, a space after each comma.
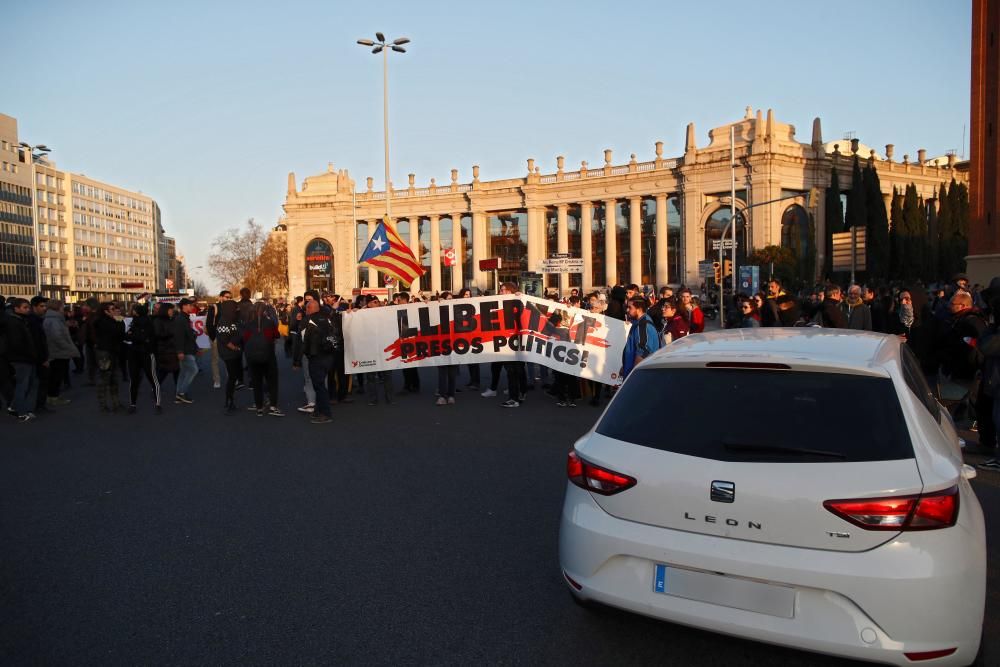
{"points": [[387, 253]]}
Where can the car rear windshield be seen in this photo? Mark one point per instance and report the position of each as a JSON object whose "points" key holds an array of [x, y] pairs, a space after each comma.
{"points": [[760, 415]]}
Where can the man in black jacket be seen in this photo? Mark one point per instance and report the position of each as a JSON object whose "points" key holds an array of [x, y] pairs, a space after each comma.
{"points": [[22, 356], [187, 349], [317, 345], [337, 377], [36, 319], [830, 314]]}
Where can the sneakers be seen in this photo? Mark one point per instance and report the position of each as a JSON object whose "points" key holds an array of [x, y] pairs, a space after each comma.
{"points": [[992, 464], [566, 404], [489, 393], [451, 400], [320, 419], [182, 398], [510, 404], [275, 412], [308, 408], [26, 417], [472, 387], [441, 401], [216, 385], [240, 385], [260, 412], [131, 409]]}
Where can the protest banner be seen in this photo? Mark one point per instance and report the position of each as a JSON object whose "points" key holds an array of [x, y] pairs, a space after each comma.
{"points": [[483, 330]]}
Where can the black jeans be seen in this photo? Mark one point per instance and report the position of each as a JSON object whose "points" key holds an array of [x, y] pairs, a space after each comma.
{"points": [[43, 374], [265, 371], [320, 367], [141, 364], [234, 369], [57, 374], [336, 377]]}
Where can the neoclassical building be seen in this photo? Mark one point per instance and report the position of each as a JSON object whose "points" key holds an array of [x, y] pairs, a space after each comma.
{"points": [[647, 222]]}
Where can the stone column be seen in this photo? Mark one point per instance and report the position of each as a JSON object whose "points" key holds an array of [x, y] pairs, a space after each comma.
{"points": [[435, 253], [480, 244], [459, 246], [610, 244], [635, 240], [536, 237], [562, 243], [662, 242], [693, 236], [586, 247]]}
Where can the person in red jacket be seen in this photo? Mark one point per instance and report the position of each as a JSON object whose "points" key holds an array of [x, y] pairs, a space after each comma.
{"points": [[695, 318]]}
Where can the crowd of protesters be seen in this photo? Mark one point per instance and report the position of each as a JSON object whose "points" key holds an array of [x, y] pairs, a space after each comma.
{"points": [[46, 345]]}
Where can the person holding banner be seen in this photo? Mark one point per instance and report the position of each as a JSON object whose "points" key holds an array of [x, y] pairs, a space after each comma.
{"points": [[473, 385], [372, 380], [643, 338], [446, 374]]}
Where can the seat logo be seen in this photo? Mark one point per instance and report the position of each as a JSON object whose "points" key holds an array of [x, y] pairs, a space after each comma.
{"points": [[723, 492]]}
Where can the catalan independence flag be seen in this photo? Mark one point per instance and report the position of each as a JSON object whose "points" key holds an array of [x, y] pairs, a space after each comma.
{"points": [[387, 253]]}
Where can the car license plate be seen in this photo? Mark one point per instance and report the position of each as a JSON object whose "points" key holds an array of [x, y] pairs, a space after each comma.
{"points": [[727, 591]]}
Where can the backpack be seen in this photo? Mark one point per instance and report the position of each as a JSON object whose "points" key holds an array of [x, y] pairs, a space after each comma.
{"points": [[258, 348]]}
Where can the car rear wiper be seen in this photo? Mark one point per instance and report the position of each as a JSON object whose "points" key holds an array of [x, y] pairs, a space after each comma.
{"points": [[739, 446]]}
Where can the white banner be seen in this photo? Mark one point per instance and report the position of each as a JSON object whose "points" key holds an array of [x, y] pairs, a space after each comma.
{"points": [[483, 330]]}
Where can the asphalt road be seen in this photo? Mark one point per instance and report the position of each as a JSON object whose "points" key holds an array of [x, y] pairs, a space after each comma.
{"points": [[408, 534]]}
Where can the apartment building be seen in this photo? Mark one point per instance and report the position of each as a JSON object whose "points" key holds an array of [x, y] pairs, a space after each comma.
{"points": [[113, 240], [52, 230], [18, 275]]}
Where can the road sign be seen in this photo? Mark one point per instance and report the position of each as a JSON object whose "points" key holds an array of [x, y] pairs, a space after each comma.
{"points": [[842, 251], [388, 280], [727, 244], [706, 268], [561, 265], [492, 264]]}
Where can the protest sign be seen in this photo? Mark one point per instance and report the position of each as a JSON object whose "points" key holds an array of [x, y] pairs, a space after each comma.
{"points": [[483, 330]]}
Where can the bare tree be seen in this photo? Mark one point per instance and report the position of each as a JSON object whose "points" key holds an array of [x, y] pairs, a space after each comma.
{"points": [[235, 258]]}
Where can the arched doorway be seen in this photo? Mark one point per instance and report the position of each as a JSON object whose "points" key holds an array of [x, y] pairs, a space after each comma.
{"points": [[795, 230], [716, 224], [319, 265]]}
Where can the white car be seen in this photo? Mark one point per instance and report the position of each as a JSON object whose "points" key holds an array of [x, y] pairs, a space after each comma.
{"points": [[799, 487]]}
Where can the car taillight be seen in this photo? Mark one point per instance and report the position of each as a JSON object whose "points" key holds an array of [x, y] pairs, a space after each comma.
{"points": [[923, 512], [594, 478]]}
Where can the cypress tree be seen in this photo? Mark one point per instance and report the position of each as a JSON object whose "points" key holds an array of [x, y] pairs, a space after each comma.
{"points": [[946, 230], [834, 218], [933, 241], [897, 256], [877, 227], [914, 231]]}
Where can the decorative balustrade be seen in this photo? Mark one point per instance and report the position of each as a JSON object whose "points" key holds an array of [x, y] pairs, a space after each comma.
{"points": [[547, 179]]}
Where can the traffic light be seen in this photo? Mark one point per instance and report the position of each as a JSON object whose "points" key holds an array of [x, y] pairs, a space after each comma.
{"points": [[727, 267], [718, 272]]}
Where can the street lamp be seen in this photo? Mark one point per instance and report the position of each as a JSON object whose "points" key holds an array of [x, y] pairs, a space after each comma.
{"points": [[383, 46], [36, 152]]}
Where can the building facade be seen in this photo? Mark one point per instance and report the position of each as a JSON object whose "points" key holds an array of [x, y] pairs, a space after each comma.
{"points": [[648, 222], [18, 258], [53, 230], [113, 241]]}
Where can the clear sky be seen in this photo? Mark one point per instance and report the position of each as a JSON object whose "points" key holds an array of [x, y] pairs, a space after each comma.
{"points": [[207, 105]]}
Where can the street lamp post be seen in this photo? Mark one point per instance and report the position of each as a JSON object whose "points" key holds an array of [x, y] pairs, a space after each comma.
{"points": [[42, 150], [381, 44]]}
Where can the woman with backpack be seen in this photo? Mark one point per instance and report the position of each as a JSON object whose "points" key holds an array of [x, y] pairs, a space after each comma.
{"points": [[259, 334]]}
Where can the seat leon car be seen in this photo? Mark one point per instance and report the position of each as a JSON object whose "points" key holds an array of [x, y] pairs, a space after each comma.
{"points": [[800, 487]]}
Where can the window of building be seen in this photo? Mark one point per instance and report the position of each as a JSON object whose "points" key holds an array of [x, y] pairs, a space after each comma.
{"points": [[508, 240], [597, 229]]}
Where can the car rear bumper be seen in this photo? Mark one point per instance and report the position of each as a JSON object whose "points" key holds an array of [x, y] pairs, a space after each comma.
{"points": [[920, 592]]}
